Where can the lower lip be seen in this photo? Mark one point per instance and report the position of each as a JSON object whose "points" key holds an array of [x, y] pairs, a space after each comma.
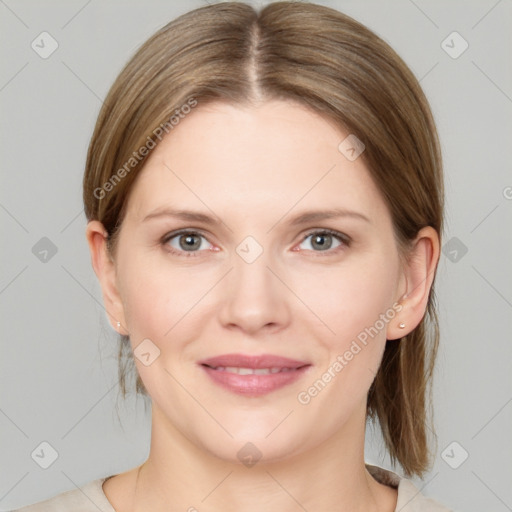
{"points": [[254, 385]]}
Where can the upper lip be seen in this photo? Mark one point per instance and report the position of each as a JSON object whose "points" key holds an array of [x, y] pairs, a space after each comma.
{"points": [[254, 362]]}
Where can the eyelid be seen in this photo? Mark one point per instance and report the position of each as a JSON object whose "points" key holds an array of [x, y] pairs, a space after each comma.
{"points": [[193, 231], [342, 236]]}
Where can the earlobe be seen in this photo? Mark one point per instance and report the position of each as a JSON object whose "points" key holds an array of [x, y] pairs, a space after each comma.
{"points": [[419, 272], [104, 268]]}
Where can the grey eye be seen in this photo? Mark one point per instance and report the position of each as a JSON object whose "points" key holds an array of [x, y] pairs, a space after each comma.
{"points": [[189, 242], [322, 241]]}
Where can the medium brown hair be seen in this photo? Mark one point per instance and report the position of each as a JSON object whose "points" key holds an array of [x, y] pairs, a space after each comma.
{"points": [[328, 62]]}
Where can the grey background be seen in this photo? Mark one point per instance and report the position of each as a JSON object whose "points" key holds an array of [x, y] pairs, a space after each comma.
{"points": [[58, 366]]}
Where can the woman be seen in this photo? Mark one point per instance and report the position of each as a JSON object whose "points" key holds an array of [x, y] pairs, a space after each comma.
{"points": [[265, 200]]}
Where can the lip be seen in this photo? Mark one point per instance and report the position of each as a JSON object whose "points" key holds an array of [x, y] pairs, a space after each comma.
{"points": [[290, 370], [254, 362]]}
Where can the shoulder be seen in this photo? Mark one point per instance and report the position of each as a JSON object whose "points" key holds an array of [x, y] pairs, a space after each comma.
{"points": [[410, 498], [89, 498]]}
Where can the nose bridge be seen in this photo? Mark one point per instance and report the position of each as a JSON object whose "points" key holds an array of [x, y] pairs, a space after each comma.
{"points": [[253, 297], [252, 279]]}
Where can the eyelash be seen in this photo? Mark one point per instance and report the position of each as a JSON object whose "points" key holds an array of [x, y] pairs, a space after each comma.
{"points": [[344, 239]]}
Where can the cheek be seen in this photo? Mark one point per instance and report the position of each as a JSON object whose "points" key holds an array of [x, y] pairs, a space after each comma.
{"points": [[350, 298], [354, 305], [157, 297], [164, 305]]}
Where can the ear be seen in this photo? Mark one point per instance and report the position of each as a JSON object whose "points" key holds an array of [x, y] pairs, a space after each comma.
{"points": [[105, 270], [416, 282]]}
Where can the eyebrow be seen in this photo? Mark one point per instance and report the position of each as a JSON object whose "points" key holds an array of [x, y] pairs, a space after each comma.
{"points": [[332, 213], [303, 218]]}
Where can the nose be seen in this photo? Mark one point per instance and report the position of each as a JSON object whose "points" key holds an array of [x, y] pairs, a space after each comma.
{"points": [[254, 298]]}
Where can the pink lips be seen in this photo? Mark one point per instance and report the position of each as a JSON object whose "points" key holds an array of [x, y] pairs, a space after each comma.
{"points": [[253, 375]]}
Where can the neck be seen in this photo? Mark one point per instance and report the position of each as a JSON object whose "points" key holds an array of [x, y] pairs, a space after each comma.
{"points": [[330, 477]]}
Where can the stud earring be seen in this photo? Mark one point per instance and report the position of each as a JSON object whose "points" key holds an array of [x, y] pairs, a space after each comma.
{"points": [[118, 324], [401, 325]]}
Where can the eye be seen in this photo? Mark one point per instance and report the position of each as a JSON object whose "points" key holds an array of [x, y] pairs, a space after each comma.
{"points": [[185, 242], [325, 240], [193, 242]]}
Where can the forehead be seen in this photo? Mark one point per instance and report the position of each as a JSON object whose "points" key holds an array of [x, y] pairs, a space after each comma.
{"points": [[250, 158]]}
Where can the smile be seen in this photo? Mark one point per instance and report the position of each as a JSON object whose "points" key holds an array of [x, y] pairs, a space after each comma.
{"points": [[253, 375]]}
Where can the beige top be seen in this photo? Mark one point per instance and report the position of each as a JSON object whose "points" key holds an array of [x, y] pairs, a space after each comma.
{"points": [[91, 498]]}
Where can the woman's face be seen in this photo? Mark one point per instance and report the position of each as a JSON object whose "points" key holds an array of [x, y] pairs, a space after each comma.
{"points": [[255, 276]]}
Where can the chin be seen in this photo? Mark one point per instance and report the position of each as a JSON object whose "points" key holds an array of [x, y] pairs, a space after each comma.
{"points": [[256, 448]]}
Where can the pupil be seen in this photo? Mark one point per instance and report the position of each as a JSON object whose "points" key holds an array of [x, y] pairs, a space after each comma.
{"points": [[189, 242], [323, 245]]}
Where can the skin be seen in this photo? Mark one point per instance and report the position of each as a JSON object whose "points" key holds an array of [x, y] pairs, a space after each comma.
{"points": [[254, 169]]}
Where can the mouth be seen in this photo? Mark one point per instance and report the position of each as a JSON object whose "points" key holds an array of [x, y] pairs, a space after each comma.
{"points": [[250, 371], [253, 375]]}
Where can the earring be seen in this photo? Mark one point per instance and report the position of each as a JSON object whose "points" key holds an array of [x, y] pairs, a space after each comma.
{"points": [[401, 325], [118, 324]]}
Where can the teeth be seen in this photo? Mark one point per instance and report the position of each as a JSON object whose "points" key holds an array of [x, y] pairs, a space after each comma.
{"points": [[250, 371]]}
